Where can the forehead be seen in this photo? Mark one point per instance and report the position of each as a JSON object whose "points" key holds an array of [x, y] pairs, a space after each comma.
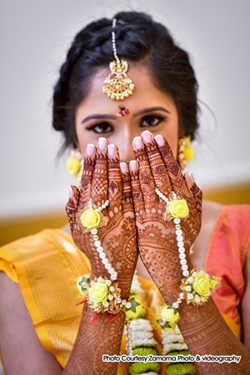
{"points": [[145, 94]]}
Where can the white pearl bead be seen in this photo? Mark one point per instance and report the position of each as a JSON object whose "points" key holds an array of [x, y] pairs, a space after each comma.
{"points": [[108, 266], [182, 256], [181, 295], [185, 273], [188, 288], [99, 249], [105, 261], [177, 220], [178, 232], [175, 305], [102, 255], [113, 277], [181, 250], [184, 268], [94, 231], [183, 261], [190, 296], [97, 243], [179, 238], [111, 270], [190, 280], [128, 305], [180, 244]]}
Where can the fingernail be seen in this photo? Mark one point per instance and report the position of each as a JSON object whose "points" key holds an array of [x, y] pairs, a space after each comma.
{"points": [[111, 150], [138, 143], [90, 149], [133, 165], [191, 176], [70, 192], [159, 140], [124, 167], [147, 137], [102, 142]]}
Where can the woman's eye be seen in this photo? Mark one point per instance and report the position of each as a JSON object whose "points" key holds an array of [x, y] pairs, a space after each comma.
{"points": [[151, 121], [101, 128]]}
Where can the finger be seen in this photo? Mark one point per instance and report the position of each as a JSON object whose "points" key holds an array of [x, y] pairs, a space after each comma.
{"points": [[177, 180], [127, 201], [197, 194], [114, 179], [157, 165], [145, 175], [87, 174], [72, 205], [100, 174], [136, 189]]}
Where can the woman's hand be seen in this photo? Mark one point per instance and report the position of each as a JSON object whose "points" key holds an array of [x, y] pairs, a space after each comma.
{"points": [[102, 180], [156, 237]]}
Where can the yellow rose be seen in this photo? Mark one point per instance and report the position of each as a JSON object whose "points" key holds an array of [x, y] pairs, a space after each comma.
{"points": [[179, 208], [188, 153], [73, 165], [213, 282], [169, 314], [99, 292], [201, 285], [90, 218]]}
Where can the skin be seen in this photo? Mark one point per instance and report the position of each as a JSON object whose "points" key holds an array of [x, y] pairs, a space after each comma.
{"points": [[220, 340]]}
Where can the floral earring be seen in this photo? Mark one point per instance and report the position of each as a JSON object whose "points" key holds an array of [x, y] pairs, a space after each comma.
{"points": [[74, 163], [185, 151]]}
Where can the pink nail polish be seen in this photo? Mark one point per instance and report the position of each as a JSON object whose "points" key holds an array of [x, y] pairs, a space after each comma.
{"points": [[70, 192], [147, 137], [90, 149], [133, 165], [138, 143], [111, 150], [191, 176], [102, 143], [124, 167], [159, 140]]}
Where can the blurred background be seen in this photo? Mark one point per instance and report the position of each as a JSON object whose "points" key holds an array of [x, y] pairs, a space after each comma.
{"points": [[35, 36]]}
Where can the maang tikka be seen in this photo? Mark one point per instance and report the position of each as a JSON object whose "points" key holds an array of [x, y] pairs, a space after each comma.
{"points": [[118, 85]]}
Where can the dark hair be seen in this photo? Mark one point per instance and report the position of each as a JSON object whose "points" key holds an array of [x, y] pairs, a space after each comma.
{"points": [[139, 39]]}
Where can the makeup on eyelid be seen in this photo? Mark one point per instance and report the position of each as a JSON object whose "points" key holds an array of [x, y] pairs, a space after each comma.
{"points": [[149, 109]]}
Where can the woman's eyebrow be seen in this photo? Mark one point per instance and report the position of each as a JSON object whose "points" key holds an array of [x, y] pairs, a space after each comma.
{"points": [[91, 117], [146, 110]]}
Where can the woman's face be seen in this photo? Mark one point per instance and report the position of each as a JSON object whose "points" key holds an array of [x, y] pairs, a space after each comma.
{"points": [[149, 109]]}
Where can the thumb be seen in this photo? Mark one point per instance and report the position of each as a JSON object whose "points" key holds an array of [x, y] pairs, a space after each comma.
{"points": [[72, 204]]}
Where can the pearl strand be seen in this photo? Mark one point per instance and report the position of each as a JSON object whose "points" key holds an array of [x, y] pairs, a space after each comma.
{"points": [[113, 42], [128, 335], [99, 248], [181, 250]]}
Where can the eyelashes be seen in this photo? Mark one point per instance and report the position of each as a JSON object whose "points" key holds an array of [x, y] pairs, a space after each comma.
{"points": [[146, 121]]}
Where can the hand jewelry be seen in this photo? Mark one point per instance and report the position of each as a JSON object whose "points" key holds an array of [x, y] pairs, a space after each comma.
{"points": [[197, 285]]}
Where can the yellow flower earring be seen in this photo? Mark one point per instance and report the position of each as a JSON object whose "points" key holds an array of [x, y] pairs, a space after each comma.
{"points": [[74, 163], [185, 151]]}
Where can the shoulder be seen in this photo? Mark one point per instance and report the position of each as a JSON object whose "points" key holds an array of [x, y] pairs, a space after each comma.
{"points": [[17, 331]]}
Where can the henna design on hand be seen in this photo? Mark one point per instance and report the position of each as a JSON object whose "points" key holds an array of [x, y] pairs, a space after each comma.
{"points": [[156, 237], [102, 178]]}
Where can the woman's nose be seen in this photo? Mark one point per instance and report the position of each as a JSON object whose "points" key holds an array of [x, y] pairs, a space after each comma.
{"points": [[125, 145]]}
